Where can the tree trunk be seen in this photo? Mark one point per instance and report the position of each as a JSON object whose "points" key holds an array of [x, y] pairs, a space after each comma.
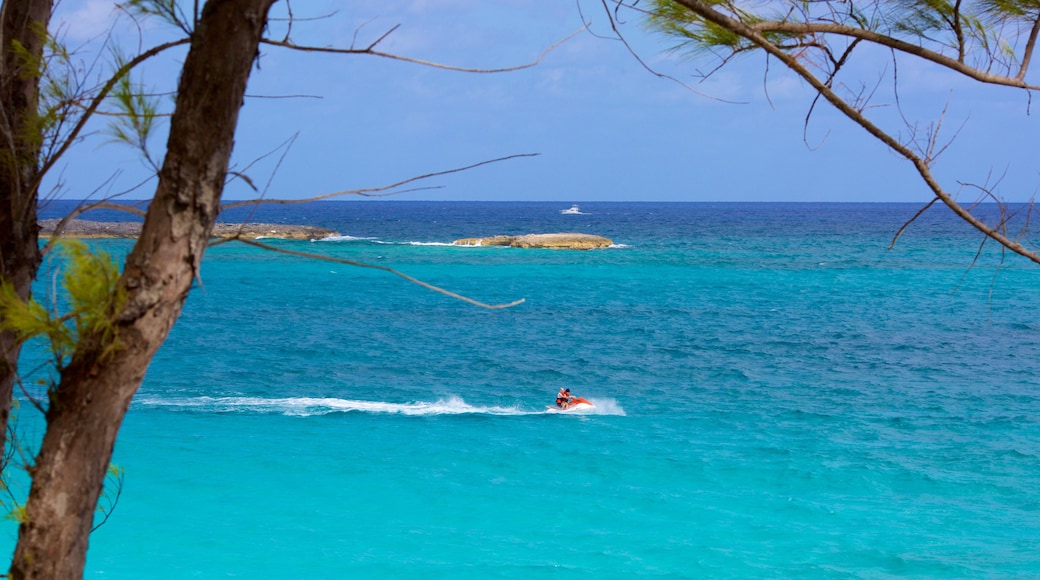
{"points": [[22, 23], [95, 390]]}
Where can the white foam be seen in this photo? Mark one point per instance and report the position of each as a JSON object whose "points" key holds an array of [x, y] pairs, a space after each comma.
{"points": [[599, 407], [413, 243], [345, 239], [309, 406]]}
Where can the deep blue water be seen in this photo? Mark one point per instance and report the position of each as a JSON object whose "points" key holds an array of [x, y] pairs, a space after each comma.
{"points": [[778, 395]]}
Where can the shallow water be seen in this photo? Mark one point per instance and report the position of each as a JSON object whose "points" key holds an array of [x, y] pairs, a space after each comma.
{"points": [[777, 395]]}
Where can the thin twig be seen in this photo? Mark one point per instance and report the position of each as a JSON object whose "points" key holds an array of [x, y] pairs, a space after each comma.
{"points": [[906, 224], [650, 69], [374, 267], [371, 51], [375, 191], [706, 10], [99, 98]]}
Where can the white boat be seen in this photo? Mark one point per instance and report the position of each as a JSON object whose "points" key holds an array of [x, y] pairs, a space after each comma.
{"points": [[572, 211]]}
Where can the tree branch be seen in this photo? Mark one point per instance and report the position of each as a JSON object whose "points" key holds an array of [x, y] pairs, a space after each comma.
{"points": [[370, 50], [706, 11], [100, 98], [642, 63], [374, 191], [103, 204], [374, 267], [1027, 56], [762, 28]]}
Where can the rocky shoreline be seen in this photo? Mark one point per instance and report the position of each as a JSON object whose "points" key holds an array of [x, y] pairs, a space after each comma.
{"points": [[561, 241], [92, 229]]}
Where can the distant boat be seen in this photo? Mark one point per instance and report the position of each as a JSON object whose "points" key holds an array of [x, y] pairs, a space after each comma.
{"points": [[572, 211]]}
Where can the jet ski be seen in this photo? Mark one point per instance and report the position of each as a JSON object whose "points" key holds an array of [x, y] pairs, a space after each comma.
{"points": [[576, 404]]}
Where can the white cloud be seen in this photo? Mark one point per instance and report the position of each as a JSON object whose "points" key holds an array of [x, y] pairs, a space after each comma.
{"points": [[85, 19]]}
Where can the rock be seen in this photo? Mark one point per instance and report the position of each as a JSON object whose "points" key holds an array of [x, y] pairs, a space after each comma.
{"points": [[254, 231], [492, 241], [563, 241], [92, 229]]}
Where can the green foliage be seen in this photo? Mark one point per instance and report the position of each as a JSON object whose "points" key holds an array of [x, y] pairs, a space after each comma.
{"points": [[91, 288], [66, 95], [17, 513], [698, 35], [984, 34], [26, 319], [60, 94], [695, 33], [91, 282], [956, 25], [166, 10], [1001, 9], [135, 113]]}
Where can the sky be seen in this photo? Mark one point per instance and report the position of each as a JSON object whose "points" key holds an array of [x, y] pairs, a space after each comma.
{"points": [[604, 128]]}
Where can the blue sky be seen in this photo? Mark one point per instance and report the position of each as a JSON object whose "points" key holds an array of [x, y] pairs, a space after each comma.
{"points": [[605, 129]]}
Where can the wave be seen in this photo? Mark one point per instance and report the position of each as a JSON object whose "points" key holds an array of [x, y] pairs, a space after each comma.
{"points": [[310, 406], [345, 239], [380, 241]]}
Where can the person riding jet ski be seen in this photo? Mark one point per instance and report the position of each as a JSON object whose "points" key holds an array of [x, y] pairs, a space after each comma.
{"points": [[564, 398]]}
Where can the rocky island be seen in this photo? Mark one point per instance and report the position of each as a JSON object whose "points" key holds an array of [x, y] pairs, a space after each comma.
{"points": [[562, 241], [92, 229]]}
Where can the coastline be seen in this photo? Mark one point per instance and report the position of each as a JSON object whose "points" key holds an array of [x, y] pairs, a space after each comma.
{"points": [[99, 230], [558, 241]]}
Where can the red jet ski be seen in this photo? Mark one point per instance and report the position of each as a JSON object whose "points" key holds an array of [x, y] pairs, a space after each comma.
{"points": [[576, 403]]}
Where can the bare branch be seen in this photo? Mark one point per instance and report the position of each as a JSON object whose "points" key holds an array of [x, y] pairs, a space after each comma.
{"points": [[907, 223], [286, 146], [1027, 56], [32, 400], [705, 10], [249, 96], [99, 98], [883, 40], [651, 70], [103, 204], [374, 267], [370, 50], [374, 191], [118, 475], [380, 39]]}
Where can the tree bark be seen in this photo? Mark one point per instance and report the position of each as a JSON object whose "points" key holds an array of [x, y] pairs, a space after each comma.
{"points": [[95, 391], [22, 23]]}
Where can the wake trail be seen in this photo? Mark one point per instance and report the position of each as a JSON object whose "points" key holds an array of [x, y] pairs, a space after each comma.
{"points": [[310, 406]]}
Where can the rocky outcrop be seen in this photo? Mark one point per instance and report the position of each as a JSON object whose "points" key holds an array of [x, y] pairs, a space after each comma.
{"points": [[92, 229], [564, 241]]}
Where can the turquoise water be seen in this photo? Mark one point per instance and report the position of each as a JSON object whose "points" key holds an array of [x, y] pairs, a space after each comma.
{"points": [[778, 395]]}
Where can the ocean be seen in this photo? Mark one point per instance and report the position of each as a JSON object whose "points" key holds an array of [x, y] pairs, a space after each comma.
{"points": [[777, 395]]}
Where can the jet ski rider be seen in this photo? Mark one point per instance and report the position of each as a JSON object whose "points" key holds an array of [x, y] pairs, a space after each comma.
{"points": [[564, 398]]}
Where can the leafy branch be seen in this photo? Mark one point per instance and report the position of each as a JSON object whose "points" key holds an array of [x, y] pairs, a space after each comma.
{"points": [[723, 25], [92, 293]]}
